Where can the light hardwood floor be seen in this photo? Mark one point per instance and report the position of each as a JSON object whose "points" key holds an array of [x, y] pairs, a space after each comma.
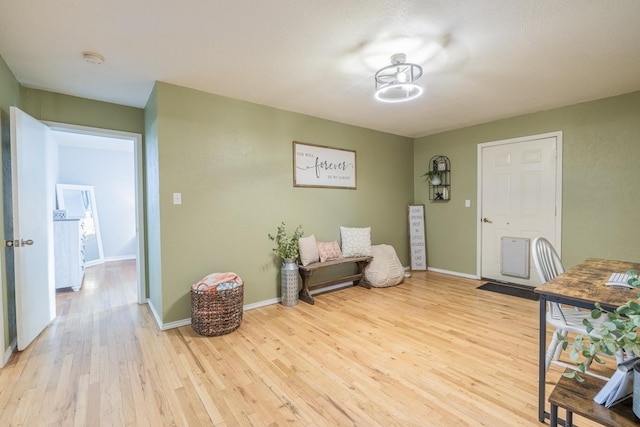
{"points": [[433, 351]]}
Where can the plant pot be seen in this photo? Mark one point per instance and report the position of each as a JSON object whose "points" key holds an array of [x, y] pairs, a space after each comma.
{"points": [[435, 180], [289, 282]]}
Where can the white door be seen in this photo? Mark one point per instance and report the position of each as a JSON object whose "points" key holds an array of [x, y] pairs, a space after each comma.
{"points": [[33, 203], [520, 197]]}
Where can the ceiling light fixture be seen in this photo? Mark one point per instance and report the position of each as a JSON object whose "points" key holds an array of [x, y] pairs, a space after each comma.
{"points": [[93, 58], [395, 82]]}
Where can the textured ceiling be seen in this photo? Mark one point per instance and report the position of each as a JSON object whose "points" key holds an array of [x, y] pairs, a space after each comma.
{"points": [[483, 59]]}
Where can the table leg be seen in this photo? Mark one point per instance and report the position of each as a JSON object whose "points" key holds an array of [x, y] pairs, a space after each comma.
{"points": [[304, 294], [361, 281], [542, 356], [553, 419]]}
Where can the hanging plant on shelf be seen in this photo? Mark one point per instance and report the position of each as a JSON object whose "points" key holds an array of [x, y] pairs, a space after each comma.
{"points": [[433, 177]]}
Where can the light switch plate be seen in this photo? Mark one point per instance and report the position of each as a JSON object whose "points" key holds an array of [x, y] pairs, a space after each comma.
{"points": [[177, 198], [467, 203]]}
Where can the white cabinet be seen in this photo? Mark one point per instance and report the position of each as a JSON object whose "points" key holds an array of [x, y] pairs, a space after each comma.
{"points": [[68, 237]]}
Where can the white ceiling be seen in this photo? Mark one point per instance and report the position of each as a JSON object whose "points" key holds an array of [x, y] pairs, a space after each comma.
{"points": [[483, 59]]}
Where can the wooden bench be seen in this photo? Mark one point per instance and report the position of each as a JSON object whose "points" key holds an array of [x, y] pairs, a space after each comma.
{"points": [[306, 271], [577, 398]]}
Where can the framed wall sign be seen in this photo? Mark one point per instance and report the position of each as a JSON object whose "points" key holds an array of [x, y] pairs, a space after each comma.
{"points": [[417, 237], [325, 167]]}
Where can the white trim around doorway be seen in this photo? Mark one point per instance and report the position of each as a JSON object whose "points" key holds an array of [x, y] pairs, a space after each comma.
{"points": [[139, 190]]}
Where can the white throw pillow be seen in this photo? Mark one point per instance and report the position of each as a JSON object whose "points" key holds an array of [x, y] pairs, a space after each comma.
{"points": [[355, 241], [308, 250], [385, 269]]}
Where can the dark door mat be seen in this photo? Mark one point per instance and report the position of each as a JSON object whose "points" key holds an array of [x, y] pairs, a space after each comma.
{"points": [[510, 289]]}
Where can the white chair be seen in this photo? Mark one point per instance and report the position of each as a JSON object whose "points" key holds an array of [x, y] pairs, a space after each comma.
{"points": [[564, 319]]}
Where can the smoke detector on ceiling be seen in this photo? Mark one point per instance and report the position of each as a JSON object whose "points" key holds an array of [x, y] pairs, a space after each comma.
{"points": [[93, 58]]}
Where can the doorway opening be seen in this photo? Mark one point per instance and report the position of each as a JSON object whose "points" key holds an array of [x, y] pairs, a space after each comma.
{"points": [[111, 162]]}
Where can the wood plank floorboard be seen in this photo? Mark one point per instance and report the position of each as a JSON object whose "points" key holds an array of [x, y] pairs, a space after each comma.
{"points": [[432, 351]]}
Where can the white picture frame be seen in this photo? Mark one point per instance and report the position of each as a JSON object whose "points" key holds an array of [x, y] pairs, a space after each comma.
{"points": [[324, 167]]}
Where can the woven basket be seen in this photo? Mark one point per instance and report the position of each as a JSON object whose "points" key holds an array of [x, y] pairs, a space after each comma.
{"points": [[216, 313]]}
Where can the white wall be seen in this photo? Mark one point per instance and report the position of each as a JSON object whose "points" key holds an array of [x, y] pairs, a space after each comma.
{"points": [[110, 169]]}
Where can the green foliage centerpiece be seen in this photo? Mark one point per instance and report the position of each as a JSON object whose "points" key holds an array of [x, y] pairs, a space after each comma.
{"points": [[287, 249], [286, 246], [618, 332]]}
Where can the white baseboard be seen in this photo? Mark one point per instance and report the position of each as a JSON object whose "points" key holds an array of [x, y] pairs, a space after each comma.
{"points": [[110, 259], [176, 324], [120, 258], [185, 322], [155, 314], [9, 351], [454, 273], [261, 304]]}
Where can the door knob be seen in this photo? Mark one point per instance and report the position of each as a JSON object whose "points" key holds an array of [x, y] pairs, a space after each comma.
{"points": [[487, 221], [27, 242]]}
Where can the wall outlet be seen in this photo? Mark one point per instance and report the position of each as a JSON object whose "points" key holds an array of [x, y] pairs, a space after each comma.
{"points": [[177, 198]]}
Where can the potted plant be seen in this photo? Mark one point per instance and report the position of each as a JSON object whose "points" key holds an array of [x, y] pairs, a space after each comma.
{"points": [[286, 246], [287, 249], [433, 176], [618, 332]]}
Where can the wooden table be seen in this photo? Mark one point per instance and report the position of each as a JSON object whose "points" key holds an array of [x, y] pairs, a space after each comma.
{"points": [[581, 286], [577, 398]]}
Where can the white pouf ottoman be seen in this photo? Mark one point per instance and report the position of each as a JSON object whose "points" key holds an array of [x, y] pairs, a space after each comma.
{"points": [[385, 269]]}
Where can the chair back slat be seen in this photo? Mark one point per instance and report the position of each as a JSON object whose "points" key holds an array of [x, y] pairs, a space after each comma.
{"points": [[549, 266], [546, 259]]}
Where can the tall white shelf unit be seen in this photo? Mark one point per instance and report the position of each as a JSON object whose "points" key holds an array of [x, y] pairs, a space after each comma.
{"points": [[68, 237]]}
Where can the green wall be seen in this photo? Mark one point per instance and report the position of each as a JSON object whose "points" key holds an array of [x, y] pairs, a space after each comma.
{"points": [[232, 162], [56, 107], [601, 173]]}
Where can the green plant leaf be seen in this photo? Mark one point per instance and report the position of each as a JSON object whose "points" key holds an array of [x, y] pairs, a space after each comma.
{"points": [[582, 367], [574, 355], [609, 326], [617, 332]]}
